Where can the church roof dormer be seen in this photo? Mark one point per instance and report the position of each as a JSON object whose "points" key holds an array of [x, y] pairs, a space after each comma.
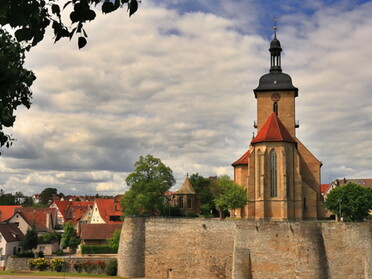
{"points": [[275, 79], [273, 130]]}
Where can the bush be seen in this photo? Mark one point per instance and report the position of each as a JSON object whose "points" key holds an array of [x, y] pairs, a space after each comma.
{"points": [[89, 266], [57, 264], [112, 267], [39, 263], [98, 249], [192, 214], [40, 254], [59, 252], [25, 255]]}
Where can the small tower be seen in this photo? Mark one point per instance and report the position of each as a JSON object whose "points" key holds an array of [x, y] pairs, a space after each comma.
{"points": [[186, 198], [281, 176]]}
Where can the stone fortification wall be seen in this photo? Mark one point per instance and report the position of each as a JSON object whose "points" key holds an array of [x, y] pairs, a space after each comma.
{"points": [[204, 248]]}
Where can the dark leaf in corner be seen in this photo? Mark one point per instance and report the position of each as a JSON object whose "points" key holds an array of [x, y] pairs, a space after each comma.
{"points": [[82, 42]]}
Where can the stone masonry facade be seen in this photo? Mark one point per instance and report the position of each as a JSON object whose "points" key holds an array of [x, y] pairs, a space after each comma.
{"points": [[237, 249]]}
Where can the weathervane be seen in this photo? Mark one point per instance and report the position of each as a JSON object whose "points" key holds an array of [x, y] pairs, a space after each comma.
{"points": [[275, 27]]}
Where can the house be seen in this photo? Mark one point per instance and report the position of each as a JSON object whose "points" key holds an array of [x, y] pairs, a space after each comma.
{"points": [[97, 234], [36, 198], [364, 182], [186, 199], [7, 211], [44, 219], [10, 242], [107, 211], [70, 211]]}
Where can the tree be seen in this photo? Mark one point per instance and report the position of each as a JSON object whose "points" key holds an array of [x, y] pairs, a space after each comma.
{"points": [[15, 83], [202, 187], [114, 240], [69, 238], [30, 241], [353, 201], [47, 194], [29, 20], [148, 183], [228, 194]]}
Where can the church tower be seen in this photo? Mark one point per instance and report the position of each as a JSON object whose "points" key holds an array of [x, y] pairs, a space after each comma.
{"points": [[281, 176]]}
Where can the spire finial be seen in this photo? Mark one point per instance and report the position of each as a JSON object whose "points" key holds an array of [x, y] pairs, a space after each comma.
{"points": [[275, 27]]}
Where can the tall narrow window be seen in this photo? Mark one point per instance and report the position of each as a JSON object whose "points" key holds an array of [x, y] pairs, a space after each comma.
{"points": [[275, 108], [273, 174], [259, 172], [288, 174]]}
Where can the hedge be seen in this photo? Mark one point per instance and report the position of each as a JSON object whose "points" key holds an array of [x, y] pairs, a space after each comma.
{"points": [[98, 249]]}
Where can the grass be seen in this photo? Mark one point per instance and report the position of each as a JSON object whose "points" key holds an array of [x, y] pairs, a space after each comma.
{"points": [[54, 273]]}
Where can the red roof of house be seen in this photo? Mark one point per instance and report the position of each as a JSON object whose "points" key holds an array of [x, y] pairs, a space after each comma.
{"points": [[107, 208], [242, 160], [7, 211], [273, 130], [323, 187], [37, 216], [98, 231]]}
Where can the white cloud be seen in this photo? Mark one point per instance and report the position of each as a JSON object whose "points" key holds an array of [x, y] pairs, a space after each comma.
{"points": [[179, 86]]}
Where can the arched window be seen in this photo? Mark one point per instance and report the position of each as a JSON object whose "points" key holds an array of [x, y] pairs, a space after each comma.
{"points": [[288, 174], [260, 168], [273, 174], [275, 108]]}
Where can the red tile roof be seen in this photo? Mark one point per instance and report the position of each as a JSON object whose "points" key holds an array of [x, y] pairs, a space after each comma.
{"points": [[37, 216], [107, 208], [273, 130], [7, 211], [98, 231], [242, 160], [323, 187]]}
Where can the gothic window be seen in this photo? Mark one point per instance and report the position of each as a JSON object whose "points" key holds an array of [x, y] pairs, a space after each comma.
{"points": [[275, 108], [259, 171], [288, 173], [273, 174], [180, 202], [189, 203]]}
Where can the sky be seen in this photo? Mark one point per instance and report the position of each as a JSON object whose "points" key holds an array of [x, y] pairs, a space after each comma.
{"points": [[176, 81]]}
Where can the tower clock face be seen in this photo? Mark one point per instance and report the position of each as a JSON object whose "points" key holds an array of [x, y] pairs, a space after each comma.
{"points": [[275, 97]]}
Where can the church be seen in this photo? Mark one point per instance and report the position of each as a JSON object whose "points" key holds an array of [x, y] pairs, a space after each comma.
{"points": [[280, 175]]}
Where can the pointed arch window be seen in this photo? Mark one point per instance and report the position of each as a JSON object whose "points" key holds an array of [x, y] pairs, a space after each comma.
{"points": [[288, 174], [275, 107], [273, 174]]}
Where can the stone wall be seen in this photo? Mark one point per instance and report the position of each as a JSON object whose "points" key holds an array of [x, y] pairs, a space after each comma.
{"points": [[209, 248]]}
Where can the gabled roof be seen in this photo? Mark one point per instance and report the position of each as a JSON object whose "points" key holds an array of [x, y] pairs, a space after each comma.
{"points": [[98, 231], [37, 216], [242, 160], [323, 188], [107, 208], [7, 211], [11, 232], [186, 188], [273, 130]]}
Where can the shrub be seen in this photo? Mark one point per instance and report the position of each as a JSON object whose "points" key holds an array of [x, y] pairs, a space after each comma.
{"points": [[89, 266], [112, 267], [39, 263], [98, 249], [59, 252], [40, 254], [25, 255], [57, 264], [78, 266]]}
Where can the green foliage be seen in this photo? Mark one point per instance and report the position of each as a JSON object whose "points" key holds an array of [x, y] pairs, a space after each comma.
{"points": [[202, 187], [24, 254], [15, 82], [50, 237], [6, 199], [228, 194], [69, 238], [30, 18], [47, 194], [112, 267], [57, 264], [148, 183], [38, 263], [98, 249], [89, 266], [30, 240], [355, 201], [114, 240]]}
